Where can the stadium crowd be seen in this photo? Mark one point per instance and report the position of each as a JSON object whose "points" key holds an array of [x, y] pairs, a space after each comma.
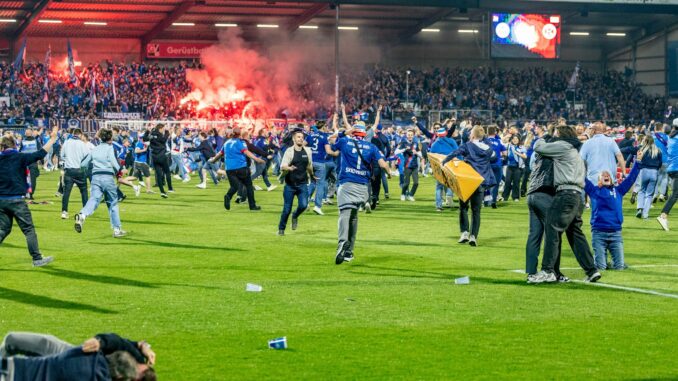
{"points": [[156, 91]]}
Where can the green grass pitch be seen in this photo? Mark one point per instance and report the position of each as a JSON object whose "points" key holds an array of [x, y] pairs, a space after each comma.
{"points": [[178, 280]]}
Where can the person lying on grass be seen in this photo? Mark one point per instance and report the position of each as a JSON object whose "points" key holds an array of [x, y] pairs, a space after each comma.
{"points": [[40, 345]]}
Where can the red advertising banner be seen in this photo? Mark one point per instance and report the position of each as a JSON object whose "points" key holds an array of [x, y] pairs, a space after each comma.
{"points": [[174, 49]]}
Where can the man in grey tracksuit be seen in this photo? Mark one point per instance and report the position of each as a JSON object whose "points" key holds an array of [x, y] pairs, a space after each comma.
{"points": [[569, 172]]}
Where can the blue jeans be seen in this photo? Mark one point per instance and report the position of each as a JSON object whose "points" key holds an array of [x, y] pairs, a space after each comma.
{"points": [[662, 181], [301, 191], [104, 185], [178, 163], [440, 191], [210, 168], [384, 181], [319, 186], [648, 181], [330, 168], [604, 241]]}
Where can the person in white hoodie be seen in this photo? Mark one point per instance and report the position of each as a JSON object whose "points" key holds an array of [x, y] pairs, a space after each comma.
{"points": [[104, 165]]}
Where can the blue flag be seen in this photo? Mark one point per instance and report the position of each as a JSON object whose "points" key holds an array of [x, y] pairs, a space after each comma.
{"points": [[572, 84], [18, 61], [71, 63]]}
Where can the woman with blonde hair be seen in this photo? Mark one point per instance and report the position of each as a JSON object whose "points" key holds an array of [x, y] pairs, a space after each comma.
{"points": [[478, 153], [650, 163]]}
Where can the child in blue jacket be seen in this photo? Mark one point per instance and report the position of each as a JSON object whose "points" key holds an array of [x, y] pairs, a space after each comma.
{"points": [[607, 217]]}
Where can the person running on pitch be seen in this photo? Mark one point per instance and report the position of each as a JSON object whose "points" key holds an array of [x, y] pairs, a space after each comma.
{"points": [[13, 166], [142, 171], [297, 168], [104, 168], [357, 158], [73, 153]]}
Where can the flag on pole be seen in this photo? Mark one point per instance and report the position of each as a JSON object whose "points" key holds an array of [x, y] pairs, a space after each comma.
{"points": [[19, 61], [157, 101], [71, 64], [93, 91], [48, 59], [572, 84], [45, 90], [115, 97]]}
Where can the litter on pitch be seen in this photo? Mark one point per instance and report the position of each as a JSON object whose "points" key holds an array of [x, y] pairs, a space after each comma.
{"points": [[278, 343], [251, 287], [462, 280]]}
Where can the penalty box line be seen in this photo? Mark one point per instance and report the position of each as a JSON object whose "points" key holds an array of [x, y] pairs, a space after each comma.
{"points": [[620, 287]]}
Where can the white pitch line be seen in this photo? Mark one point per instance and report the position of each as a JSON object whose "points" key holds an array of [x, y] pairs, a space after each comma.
{"points": [[624, 288], [579, 268]]}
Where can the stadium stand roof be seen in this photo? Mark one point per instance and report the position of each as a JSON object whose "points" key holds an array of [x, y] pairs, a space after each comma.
{"points": [[157, 19]]}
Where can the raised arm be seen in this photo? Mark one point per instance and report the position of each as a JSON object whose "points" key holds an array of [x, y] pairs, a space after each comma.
{"points": [[344, 117], [377, 119]]}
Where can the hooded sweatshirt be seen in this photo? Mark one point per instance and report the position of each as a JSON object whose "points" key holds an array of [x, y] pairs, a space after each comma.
{"points": [[569, 169], [606, 203], [479, 155]]}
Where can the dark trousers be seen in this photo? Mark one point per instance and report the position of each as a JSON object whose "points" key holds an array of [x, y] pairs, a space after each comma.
{"points": [[301, 192], [375, 181], [538, 205], [526, 176], [512, 183], [34, 172], [240, 178], [475, 201], [498, 174], [73, 177], [18, 210], [674, 193], [407, 174], [565, 216], [162, 172]]}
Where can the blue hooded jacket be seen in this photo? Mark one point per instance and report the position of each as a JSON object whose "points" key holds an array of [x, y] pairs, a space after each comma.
{"points": [[478, 155], [606, 203]]}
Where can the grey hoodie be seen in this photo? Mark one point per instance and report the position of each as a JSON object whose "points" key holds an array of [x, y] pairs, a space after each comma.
{"points": [[569, 169]]}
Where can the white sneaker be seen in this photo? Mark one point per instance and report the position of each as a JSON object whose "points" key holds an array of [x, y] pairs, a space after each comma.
{"points": [[186, 179], [500, 198], [543, 277], [368, 207], [588, 205], [201, 185], [117, 233], [79, 221], [472, 241], [177, 177], [257, 188], [410, 198], [64, 215], [663, 222], [137, 190], [318, 211], [464, 237], [271, 188], [403, 198]]}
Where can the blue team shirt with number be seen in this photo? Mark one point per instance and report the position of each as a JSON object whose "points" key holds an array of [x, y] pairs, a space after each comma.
{"points": [[317, 141], [352, 168], [234, 154]]}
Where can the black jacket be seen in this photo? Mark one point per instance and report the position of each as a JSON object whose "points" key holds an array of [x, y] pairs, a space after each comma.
{"points": [[13, 171], [158, 142], [541, 178], [71, 365], [205, 148], [111, 343]]}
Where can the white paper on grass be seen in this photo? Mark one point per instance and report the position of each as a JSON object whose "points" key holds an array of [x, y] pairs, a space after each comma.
{"points": [[251, 287], [462, 280]]}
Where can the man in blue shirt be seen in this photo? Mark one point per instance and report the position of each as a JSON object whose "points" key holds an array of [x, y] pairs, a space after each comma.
{"points": [[500, 151], [30, 144], [235, 154], [13, 166], [601, 153], [661, 140], [357, 159], [317, 142], [142, 170]]}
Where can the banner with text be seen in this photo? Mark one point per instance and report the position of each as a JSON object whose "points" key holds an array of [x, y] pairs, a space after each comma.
{"points": [[122, 115], [177, 50]]}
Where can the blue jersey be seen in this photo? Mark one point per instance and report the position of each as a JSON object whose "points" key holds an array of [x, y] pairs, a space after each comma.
{"points": [[120, 150], [498, 147], [141, 157], [317, 141], [234, 154], [353, 167]]}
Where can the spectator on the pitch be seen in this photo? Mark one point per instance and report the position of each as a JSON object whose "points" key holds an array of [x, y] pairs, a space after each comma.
{"points": [[672, 170], [443, 145], [29, 144], [627, 143], [73, 153], [411, 152], [661, 140], [39, 345], [567, 206], [650, 164], [517, 159], [607, 216], [357, 156], [297, 168], [497, 165], [235, 154], [204, 165], [104, 166], [13, 168], [477, 153], [601, 153], [158, 139]]}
